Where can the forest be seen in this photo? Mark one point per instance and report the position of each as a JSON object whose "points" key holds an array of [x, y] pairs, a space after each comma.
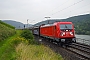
{"points": [[81, 23]]}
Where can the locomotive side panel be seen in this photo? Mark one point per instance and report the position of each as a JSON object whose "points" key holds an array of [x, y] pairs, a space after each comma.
{"points": [[47, 31]]}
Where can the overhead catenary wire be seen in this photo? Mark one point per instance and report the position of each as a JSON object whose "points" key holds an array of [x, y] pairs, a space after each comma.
{"points": [[70, 7], [60, 5], [77, 8], [67, 7], [56, 7]]}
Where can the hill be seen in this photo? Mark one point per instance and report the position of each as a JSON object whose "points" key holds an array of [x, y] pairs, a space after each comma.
{"points": [[81, 23], [17, 25]]}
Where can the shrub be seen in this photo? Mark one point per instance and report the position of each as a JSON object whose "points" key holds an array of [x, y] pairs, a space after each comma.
{"points": [[29, 36]]}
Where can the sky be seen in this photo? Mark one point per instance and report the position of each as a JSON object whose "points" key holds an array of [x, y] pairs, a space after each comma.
{"points": [[36, 10]]}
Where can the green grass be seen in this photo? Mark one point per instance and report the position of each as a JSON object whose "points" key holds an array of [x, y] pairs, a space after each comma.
{"points": [[36, 52], [10, 49], [7, 50], [5, 32], [7, 25]]}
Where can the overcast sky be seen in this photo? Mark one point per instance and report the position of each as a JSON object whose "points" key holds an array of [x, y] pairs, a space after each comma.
{"points": [[36, 10]]}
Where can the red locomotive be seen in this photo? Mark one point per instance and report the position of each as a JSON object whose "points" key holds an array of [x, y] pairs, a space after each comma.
{"points": [[61, 32]]}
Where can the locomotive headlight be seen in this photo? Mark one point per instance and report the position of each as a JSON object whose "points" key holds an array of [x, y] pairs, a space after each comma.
{"points": [[71, 33], [63, 33]]}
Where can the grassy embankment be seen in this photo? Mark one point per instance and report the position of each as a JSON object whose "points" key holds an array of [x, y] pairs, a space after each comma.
{"points": [[6, 31], [34, 51], [24, 48]]}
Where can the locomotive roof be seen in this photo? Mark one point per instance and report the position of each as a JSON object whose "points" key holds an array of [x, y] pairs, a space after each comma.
{"points": [[63, 22], [47, 25], [56, 24]]}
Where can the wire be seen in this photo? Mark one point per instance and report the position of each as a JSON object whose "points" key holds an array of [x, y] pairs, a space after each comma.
{"points": [[60, 5], [71, 6], [68, 7], [76, 9]]}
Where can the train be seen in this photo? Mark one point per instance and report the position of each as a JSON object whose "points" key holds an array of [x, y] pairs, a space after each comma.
{"points": [[61, 32]]}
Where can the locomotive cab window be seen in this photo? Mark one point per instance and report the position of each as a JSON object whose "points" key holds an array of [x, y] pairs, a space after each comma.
{"points": [[66, 26]]}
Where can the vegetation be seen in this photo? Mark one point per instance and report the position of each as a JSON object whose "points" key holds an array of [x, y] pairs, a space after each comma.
{"points": [[28, 35], [20, 48], [7, 50], [83, 27], [7, 25], [36, 52], [33, 51], [5, 31]]}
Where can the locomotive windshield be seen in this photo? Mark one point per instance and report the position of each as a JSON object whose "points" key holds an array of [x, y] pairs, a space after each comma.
{"points": [[66, 26]]}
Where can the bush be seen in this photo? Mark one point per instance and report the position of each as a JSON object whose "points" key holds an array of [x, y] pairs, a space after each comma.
{"points": [[29, 36]]}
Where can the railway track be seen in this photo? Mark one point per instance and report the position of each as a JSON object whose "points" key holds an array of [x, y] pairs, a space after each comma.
{"points": [[83, 51], [82, 45], [79, 51], [84, 48]]}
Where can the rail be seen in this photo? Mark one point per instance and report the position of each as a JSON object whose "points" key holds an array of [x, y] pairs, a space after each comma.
{"points": [[83, 41]]}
